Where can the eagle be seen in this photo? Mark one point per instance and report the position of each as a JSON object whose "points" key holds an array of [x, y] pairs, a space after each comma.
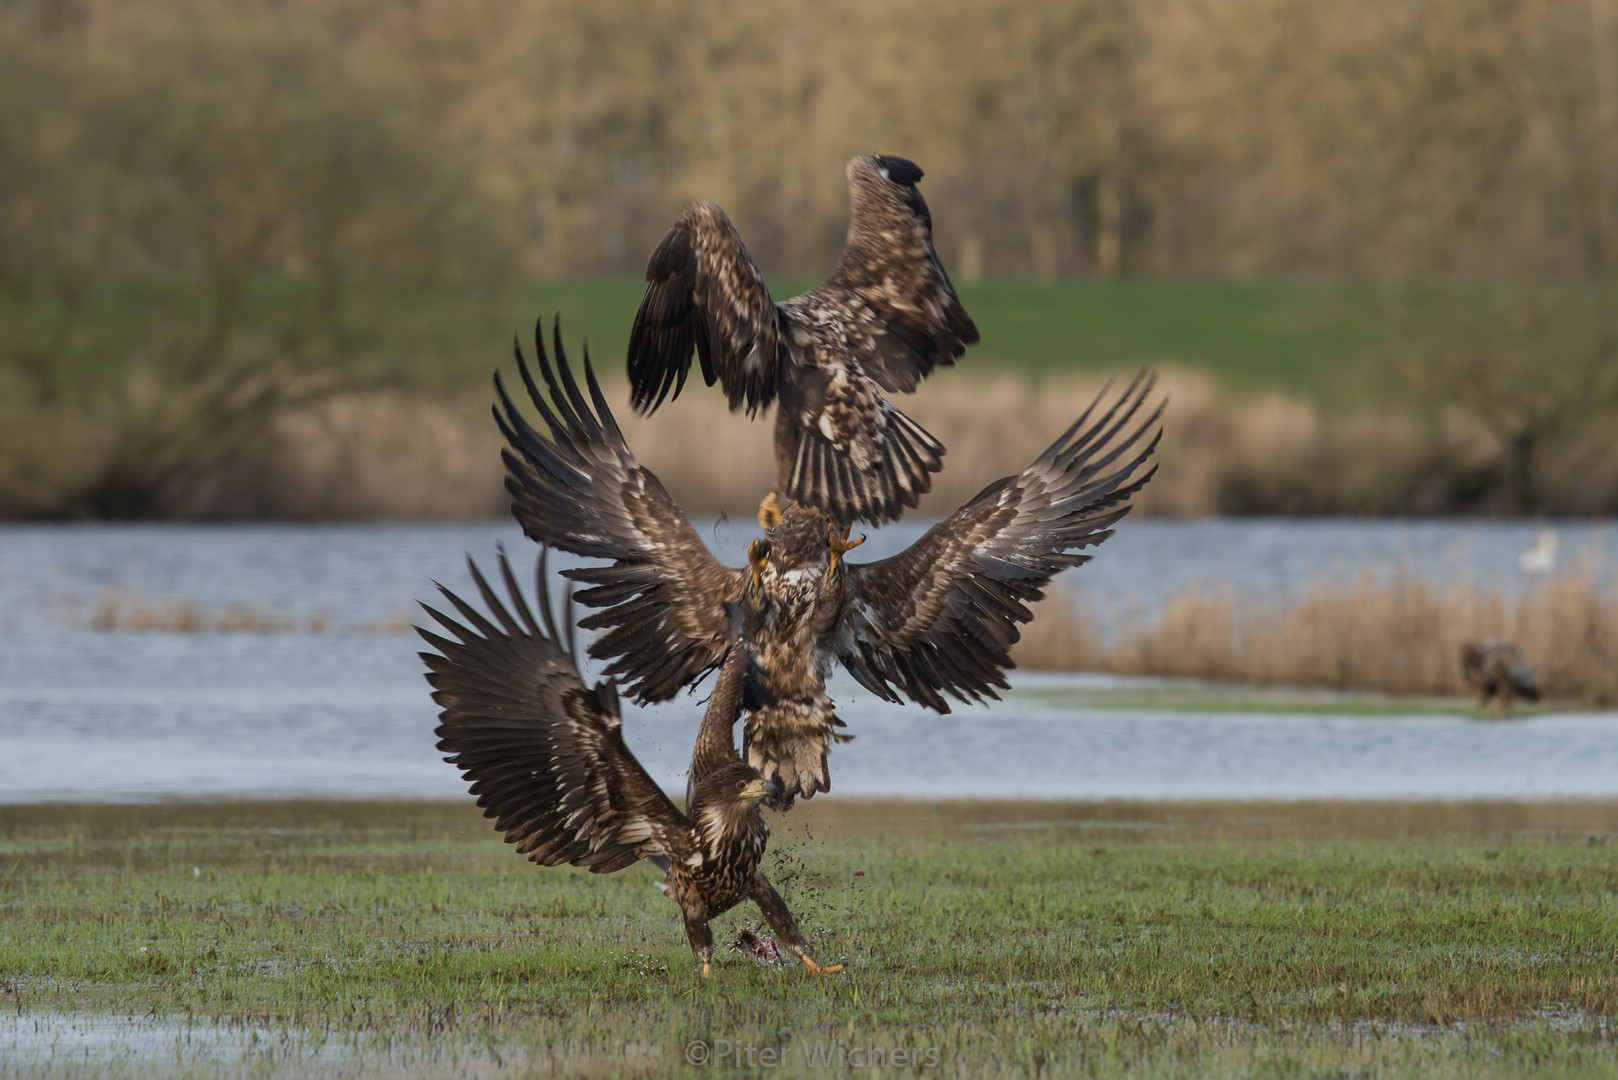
{"points": [[937, 619], [1496, 669], [547, 761], [886, 318]]}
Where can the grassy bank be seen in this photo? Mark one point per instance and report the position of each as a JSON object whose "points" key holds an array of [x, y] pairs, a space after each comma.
{"points": [[1293, 337], [1035, 939], [1395, 636], [1270, 412]]}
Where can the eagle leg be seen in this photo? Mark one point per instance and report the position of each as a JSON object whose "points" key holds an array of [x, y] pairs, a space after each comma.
{"points": [[701, 938], [769, 512], [783, 925], [758, 556], [838, 544]]}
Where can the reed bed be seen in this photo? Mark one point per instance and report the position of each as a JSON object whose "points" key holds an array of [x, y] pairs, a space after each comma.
{"points": [[123, 610], [1400, 636], [399, 455]]}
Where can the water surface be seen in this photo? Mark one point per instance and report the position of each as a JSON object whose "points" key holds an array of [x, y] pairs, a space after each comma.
{"points": [[89, 715]]}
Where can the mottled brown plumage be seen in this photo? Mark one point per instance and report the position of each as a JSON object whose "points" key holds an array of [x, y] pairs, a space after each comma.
{"points": [[546, 759], [1497, 670], [886, 317], [937, 619]]}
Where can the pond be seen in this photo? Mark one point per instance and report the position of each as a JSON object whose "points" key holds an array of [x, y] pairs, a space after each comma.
{"points": [[92, 715]]}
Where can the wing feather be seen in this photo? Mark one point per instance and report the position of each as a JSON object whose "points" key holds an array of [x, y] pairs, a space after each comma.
{"points": [[581, 490], [704, 292], [544, 757], [941, 616], [889, 267]]}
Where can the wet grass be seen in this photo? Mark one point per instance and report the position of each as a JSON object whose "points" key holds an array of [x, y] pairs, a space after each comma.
{"points": [[1039, 939]]}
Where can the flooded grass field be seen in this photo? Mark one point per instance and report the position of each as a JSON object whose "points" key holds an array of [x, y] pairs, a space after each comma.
{"points": [[1027, 939]]}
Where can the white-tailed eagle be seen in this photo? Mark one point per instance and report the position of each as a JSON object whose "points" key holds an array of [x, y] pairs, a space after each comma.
{"points": [[884, 319]]}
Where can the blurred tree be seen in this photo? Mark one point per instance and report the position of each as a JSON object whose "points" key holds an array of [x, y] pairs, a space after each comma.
{"points": [[226, 154]]}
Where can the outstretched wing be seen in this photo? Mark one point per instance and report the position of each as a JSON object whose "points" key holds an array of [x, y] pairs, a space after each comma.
{"points": [[582, 490], [891, 281], [941, 616], [545, 756], [703, 291]]}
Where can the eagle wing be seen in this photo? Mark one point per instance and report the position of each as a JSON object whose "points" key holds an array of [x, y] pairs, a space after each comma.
{"points": [[904, 316], [941, 616], [582, 490], [545, 756], [704, 291]]}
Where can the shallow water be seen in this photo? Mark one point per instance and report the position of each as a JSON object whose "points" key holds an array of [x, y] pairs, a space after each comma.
{"points": [[87, 715]]}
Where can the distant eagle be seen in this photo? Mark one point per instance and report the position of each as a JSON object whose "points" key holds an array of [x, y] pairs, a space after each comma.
{"points": [[547, 761], [1495, 669], [938, 618], [885, 318]]}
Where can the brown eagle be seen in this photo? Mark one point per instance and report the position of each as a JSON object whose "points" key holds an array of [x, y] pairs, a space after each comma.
{"points": [[1495, 669], [547, 761], [938, 618], [885, 318]]}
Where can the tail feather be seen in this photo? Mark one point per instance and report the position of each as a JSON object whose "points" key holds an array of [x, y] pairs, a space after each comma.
{"points": [[899, 472], [790, 743]]}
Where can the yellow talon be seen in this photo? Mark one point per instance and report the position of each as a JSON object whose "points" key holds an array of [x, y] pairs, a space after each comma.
{"points": [[758, 555], [839, 543], [705, 969], [816, 969], [769, 513]]}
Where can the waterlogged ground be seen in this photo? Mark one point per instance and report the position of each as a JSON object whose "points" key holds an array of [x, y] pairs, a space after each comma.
{"points": [[1024, 939]]}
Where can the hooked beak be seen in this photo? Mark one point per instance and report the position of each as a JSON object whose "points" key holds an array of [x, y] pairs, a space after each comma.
{"points": [[761, 788]]}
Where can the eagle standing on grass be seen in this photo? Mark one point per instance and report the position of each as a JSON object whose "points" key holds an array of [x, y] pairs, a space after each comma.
{"points": [[1495, 669], [938, 618], [547, 761], [885, 318]]}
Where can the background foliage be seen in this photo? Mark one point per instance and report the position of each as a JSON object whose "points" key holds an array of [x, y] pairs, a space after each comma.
{"points": [[214, 215]]}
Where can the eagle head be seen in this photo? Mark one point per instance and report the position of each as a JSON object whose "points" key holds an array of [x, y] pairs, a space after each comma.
{"points": [[895, 170], [799, 539]]}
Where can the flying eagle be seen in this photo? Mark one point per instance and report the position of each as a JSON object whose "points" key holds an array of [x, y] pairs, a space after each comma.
{"points": [[885, 318], [1495, 669], [546, 759], [937, 619]]}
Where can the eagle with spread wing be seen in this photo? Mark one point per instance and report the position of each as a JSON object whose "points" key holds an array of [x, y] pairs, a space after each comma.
{"points": [[937, 619], [884, 319], [547, 761]]}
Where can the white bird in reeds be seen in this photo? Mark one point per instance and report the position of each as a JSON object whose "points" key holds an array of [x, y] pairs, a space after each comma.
{"points": [[1539, 560]]}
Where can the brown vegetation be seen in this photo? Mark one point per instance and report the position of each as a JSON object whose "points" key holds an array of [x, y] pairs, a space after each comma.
{"points": [[194, 157], [396, 455], [123, 610], [1401, 636]]}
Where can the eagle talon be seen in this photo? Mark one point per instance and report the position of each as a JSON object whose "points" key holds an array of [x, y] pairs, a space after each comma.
{"points": [[839, 543], [758, 555], [705, 969], [815, 969], [769, 513]]}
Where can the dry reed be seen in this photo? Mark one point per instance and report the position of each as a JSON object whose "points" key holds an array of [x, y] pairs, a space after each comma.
{"points": [[402, 456], [122, 610], [1400, 636]]}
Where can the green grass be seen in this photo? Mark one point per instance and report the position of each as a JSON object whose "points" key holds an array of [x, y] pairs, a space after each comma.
{"points": [[1249, 335], [1037, 939]]}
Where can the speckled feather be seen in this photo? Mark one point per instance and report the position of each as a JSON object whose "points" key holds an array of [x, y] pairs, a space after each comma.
{"points": [[886, 317], [546, 759], [935, 621]]}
